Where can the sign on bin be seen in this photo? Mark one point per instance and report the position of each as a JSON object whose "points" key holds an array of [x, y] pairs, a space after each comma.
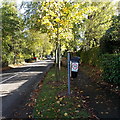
{"points": [[75, 67]]}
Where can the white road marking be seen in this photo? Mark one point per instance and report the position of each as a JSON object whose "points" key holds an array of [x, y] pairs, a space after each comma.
{"points": [[26, 69], [13, 76]]}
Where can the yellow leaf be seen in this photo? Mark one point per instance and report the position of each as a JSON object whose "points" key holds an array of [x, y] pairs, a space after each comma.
{"points": [[76, 5], [38, 20], [55, 30], [65, 10], [60, 29], [57, 19], [52, 14]]}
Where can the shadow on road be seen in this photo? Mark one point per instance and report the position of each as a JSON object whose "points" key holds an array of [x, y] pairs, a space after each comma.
{"points": [[16, 91]]}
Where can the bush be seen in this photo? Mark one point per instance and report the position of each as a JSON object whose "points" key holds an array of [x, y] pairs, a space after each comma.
{"points": [[110, 42], [91, 57], [110, 65]]}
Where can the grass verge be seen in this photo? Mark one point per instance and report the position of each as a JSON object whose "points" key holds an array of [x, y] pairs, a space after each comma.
{"points": [[53, 100]]}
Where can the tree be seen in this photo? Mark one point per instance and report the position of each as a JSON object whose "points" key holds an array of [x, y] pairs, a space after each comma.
{"points": [[96, 23], [110, 42], [39, 43], [58, 19], [11, 30]]}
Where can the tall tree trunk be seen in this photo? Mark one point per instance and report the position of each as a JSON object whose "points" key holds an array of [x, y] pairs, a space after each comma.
{"points": [[56, 63], [14, 51], [59, 62], [58, 48]]}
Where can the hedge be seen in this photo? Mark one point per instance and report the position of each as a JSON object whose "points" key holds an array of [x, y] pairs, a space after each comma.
{"points": [[91, 56], [110, 65]]}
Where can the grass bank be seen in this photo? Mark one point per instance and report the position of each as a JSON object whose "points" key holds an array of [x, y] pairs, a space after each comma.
{"points": [[53, 100]]}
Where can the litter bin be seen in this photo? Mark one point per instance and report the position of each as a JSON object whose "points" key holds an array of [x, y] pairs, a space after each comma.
{"points": [[74, 66]]}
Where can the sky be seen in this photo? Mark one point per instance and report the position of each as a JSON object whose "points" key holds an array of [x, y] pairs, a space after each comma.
{"points": [[19, 1]]}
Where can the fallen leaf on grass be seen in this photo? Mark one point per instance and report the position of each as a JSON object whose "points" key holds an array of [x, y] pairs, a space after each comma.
{"points": [[43, 100], [83, 101], [53, 75], [65, 114], [77, 111], [38, 113], [36, 110], [56, 98], [31, 104], [48, 109], [58, 102], [81, 91], [61, 98], [79, 106], [52, 108], [61, 105], [77, 97], [58, 110]]}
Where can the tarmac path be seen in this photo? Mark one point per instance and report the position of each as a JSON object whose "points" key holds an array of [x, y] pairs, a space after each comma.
{"points": [[104, 103]]}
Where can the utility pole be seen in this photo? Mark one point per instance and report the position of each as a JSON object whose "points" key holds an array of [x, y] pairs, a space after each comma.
{"points": [[68, 73]]}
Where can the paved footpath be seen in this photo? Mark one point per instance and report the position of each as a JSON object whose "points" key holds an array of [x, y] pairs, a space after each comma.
{"points": [[105, 104]]}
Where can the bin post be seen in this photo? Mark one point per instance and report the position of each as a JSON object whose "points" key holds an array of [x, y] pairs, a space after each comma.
{"points": [[69, 73]]}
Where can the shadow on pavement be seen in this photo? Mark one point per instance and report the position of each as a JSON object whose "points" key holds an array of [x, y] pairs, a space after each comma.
{"points": [[105, 104]]}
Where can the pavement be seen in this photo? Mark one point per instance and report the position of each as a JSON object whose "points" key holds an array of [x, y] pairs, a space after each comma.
{"points": [[104, 103], [17, 85]]}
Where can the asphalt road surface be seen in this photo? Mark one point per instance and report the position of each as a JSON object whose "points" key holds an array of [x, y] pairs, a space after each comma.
{"points": [[17, 84]]}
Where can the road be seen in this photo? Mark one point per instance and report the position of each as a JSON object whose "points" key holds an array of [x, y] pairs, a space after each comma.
{"points": [[18, 83]]}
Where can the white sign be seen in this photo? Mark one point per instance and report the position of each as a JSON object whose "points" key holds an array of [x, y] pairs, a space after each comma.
{"points": [[75, 67]]}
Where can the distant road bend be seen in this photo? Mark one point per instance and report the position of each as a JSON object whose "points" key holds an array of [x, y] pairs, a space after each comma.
{"points": [[17, 84]]}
